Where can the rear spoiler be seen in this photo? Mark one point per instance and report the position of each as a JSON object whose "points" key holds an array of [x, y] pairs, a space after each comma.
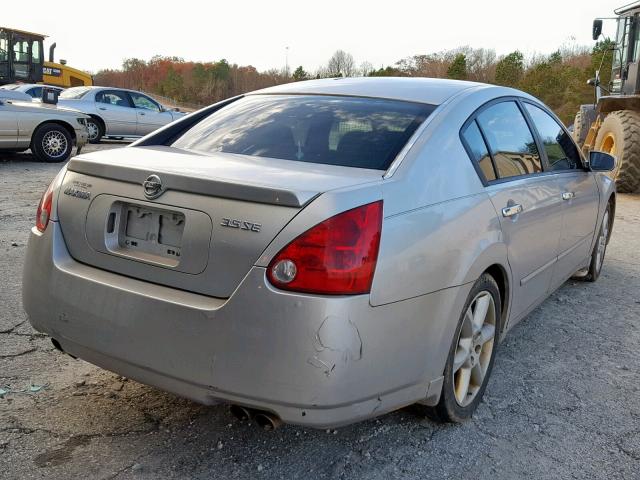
{"points": [[250, 192]]}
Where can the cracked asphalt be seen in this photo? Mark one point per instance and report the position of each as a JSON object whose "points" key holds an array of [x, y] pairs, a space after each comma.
{"points": [[563, 400]]}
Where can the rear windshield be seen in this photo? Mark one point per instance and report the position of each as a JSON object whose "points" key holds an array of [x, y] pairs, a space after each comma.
{"points": [[347, 131], [75, 92]]}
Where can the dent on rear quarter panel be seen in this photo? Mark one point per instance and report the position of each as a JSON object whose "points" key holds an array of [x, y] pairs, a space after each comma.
{"points": [[433, 248]]}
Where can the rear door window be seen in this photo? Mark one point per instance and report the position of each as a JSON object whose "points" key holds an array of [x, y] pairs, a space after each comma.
{"points": [[512, 145], [347, 131], [562, 153]]}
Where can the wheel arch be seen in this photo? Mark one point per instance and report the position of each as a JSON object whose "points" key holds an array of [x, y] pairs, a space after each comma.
{"points": [[612, 208], [499, 274], [494, 261], [66, 125], [99, 119]]}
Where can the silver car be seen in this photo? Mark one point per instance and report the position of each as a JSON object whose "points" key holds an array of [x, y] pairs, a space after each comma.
{"points": [[117, 112], [49, 130], [320, 252]]}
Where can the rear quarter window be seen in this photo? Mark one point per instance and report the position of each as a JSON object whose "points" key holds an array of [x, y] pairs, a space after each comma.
{"points": [[477, 149], [331, 130]]}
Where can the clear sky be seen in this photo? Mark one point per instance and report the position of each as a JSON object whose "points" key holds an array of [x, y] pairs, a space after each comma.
{"points": [[95, 35]]}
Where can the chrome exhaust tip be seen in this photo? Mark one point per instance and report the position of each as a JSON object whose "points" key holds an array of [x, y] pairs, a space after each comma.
{"points": [[267, 421], [241, 413]]}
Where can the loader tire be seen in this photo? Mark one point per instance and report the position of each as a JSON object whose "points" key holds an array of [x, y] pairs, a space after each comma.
{"points": [[619, 135]]}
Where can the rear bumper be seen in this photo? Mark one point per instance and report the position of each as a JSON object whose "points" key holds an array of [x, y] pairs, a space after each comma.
{"points": [[312, 360]]}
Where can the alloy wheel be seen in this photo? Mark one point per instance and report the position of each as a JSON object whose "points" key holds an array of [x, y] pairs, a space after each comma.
{"points": [[54, 144], [474, 348], [93, 129]]}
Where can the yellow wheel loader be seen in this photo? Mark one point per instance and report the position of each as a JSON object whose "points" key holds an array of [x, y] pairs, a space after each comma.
{"points": [[22, 60], [612, 124]]}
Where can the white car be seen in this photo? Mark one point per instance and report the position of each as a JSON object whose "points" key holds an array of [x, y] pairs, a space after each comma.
{"points": [[117, 112], [12, 95], [33, 90]]}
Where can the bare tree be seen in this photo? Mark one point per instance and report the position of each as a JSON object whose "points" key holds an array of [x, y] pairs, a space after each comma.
{"points": [[433, 65], [480, 63], [341, 64], [365, 69]]}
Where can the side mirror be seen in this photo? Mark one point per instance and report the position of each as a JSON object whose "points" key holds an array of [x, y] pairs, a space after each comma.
{"points": [[601, 161], [597, 29]]}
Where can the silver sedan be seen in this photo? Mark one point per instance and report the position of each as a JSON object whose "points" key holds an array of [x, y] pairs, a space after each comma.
{"points": [[118, 112], [49, 130], [320, 252]]}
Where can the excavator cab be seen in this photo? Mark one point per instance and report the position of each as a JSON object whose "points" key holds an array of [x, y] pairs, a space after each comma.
{"points": [[21, 56]]}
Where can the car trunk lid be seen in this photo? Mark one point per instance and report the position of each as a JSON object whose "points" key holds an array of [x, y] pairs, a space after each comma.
{"points": [[211, 219]]}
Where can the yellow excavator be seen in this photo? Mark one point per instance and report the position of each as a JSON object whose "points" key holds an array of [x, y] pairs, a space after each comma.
{"points": [[22, 60]]}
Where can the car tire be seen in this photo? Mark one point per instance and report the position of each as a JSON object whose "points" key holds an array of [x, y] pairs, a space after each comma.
{"points": [[52, 143], [471, 355], [600, 248], [96, 130]]}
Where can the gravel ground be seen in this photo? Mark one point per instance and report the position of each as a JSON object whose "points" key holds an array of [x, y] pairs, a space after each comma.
{"points": [[563, 401]]}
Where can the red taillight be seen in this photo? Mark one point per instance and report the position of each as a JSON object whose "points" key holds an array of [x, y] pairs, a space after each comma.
{"points": [[336, 257], [44, 209]]}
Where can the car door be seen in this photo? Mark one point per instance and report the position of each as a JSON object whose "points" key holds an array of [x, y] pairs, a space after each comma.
{"points": [[527, 200], [117, 111], [578, 190], [150, 115], [8, 126]]}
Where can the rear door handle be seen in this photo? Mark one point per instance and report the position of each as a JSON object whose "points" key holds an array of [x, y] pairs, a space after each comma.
{"points": [[568, 195], [141, 113], [511, 210], [102, 108]]}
